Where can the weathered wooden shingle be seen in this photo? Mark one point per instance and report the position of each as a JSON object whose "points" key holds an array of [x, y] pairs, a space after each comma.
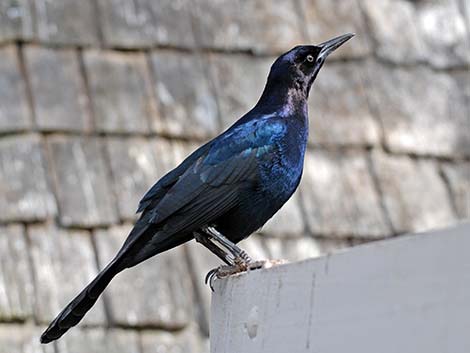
{"points": [[24, 191], [394, 29], [201, 261], [301, 248], [66, 22], [187, 341], [445, 30], [170, 153], [261, 26], [465, 10], [99, 340], [422, 111], [458, 177], [16, 284], [339, 195], [133, 169], [16, 21], [160, 287], [14, 111], [84, 190], [339, 111], [417, 31], [235, 93], [181, 150], [326, 19], [145, 23], [136, 164], [288, 221], [462, 93], [63, 264], [413, 192], [59, 97], [15, 338], [254, 246], [188, 109], [120, 91]]}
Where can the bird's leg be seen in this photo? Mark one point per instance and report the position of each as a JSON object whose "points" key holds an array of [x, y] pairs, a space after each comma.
{"points": [[205, 240], [224, 256], [240, 255], [237, 259]]}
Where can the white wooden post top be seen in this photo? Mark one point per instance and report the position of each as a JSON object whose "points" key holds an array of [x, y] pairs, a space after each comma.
{"points": [[404, 295]]}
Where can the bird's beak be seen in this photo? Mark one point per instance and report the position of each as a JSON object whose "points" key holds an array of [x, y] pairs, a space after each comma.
{"points": [[330, 45]]}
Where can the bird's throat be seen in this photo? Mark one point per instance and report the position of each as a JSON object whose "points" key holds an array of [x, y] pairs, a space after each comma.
{"points": [[283, 100]]}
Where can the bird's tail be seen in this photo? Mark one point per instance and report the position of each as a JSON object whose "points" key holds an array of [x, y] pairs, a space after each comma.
{"points": [[79, 306]]}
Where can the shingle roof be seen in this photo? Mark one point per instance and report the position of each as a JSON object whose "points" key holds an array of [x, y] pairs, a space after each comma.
{"points": [[99, 98]]}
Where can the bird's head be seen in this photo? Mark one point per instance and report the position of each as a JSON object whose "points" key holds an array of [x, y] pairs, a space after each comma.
{"points": [[299, 67]]}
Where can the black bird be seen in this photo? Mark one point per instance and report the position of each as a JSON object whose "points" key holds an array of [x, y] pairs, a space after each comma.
{"points": [[226, 189]]}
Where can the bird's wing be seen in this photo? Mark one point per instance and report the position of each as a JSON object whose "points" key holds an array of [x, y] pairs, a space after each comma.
{"points": [[210, 186], [215, 176], [161, 187]]}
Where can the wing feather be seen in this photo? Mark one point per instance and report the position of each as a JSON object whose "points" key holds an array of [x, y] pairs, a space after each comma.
{"points": [[201, 185], [161, 187], [208, 183]]}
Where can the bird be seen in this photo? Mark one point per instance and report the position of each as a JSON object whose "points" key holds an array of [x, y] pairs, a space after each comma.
{"points": [[226, 189]]}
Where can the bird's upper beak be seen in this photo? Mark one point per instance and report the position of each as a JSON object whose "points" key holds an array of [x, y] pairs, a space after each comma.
{"points": [[330, 45]]}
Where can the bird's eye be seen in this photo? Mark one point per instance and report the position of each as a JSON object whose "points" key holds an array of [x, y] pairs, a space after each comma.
{"points": [[310, 58]]}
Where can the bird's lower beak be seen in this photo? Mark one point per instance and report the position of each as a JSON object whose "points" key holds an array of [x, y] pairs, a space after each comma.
{"points": [[330, 45]]}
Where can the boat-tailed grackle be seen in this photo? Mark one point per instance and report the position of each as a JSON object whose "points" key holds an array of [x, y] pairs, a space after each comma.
{"points": [[227, 188]]}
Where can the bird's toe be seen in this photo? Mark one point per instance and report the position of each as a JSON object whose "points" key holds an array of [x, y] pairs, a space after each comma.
{"points": [[240, 266]]}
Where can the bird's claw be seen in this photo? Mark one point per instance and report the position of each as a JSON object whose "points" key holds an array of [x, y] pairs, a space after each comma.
{"points": [[220, 272], [244, 257], [240, 266], [210, 277]]}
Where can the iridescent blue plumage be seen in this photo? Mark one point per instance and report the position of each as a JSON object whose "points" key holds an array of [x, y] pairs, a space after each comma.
{"points": [[226, 189]]}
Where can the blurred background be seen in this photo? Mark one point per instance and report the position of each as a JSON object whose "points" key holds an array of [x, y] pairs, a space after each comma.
{"points": [[99, 98]]}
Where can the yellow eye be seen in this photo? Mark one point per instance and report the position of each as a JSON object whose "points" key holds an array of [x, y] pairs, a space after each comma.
{"points": [[310, 58]]}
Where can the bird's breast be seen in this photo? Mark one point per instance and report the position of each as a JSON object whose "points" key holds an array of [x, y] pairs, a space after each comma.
{"points": [[281, 174], [281, 180]]}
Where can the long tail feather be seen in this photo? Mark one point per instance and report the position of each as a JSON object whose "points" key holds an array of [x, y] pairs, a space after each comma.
{"points": [[79, 306]]}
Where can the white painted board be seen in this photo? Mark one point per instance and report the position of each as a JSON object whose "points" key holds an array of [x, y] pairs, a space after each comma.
{"points": [[405, 295]]}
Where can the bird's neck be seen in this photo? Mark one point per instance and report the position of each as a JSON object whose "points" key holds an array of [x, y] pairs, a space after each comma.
{"points": [[286, 100]]}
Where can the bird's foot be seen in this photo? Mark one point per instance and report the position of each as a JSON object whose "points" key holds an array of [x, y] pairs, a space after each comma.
{"points": [[244, 258], [240, 266]]}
